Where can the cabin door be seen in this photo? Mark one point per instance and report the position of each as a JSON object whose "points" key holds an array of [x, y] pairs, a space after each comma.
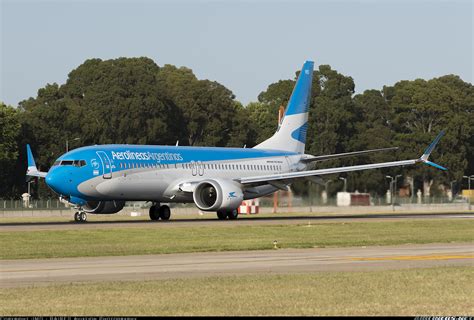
{"points": [[106, 165]]}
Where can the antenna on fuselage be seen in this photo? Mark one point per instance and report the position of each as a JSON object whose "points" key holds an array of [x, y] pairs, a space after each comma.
{"points": [[177, 142], [245, 146]]}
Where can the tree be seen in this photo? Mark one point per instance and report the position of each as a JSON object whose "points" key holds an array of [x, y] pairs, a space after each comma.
{"points": [[112, 101], [374, 129], [208, 108], [424, 108], [120, 102], [9, 132]]}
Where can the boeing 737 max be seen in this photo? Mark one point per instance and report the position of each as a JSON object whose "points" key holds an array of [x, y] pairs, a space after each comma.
{"points": [[99, 179]]}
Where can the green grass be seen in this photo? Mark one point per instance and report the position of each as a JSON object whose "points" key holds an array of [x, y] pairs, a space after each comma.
{"points": [[433, 291], [150, 240]]}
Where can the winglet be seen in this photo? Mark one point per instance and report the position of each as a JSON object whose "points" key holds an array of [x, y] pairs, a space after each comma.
{"points": [[32, 171], [427, 153]]}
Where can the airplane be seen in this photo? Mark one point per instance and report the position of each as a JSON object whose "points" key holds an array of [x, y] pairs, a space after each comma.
{"points": [[99, 179]]}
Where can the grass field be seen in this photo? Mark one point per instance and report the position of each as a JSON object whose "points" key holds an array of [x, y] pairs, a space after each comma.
{"points": [[434, 291], [150, 240]]}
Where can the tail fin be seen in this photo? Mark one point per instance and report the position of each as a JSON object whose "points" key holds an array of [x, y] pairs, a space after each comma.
{"points": [[291, 134], [32, 171]]}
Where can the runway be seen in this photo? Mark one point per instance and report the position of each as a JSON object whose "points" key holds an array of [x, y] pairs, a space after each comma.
{"points": [[18, 273], [212, 221]]}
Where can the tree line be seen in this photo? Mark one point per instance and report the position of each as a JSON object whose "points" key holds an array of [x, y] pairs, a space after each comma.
{"points": [[135, 101]]}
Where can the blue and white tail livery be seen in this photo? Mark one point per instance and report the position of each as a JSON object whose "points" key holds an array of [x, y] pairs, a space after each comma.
{"points": [[291, 134], [100, 179]]}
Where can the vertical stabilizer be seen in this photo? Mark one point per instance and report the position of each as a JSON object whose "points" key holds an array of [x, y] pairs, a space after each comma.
{"points": [[32, 171], [291, 134]]}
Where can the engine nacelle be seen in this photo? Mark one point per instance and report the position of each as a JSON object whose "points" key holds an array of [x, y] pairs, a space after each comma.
{"points": [[103, 207], [217, 195]]}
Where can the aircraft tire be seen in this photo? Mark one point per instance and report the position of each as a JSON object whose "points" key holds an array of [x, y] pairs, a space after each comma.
{"points": [[165, 213], [77, 217], [83, 217], [221, 215], [232, 215], [153, 213]]}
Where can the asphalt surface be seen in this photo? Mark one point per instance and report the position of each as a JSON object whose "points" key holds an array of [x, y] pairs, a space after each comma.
{"points": [[19, 273], [63, 224]]}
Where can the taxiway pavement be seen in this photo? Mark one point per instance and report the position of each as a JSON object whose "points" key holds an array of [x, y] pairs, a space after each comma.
{"points": [[18, 273]]}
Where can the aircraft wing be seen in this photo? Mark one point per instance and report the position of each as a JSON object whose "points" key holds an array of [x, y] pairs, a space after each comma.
{"points": [[343, 155], [321, 172]]}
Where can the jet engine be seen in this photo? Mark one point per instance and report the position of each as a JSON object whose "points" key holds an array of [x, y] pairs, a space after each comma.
{"points": [[217, 195], [103, 207]]}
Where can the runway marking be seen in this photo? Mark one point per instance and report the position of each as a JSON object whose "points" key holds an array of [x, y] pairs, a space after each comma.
{"points": [[404, 258]]}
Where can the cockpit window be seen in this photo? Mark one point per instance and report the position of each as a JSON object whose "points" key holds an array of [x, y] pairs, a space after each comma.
{"points": [[75, 163], [79, 163], [56, 163]]}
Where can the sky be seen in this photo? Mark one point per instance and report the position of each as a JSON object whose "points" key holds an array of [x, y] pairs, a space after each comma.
{"points": [[244, 45]]}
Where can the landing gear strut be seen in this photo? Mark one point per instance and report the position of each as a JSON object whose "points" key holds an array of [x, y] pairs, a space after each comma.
{"points": [[160, 212], [80, 216]]}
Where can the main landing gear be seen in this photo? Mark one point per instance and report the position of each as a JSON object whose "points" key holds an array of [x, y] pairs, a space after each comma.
{"points": [[80, 216], [160, 212], [231, 215]]}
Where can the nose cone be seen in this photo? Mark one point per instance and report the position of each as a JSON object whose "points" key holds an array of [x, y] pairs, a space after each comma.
{"points": [[54, 181]]}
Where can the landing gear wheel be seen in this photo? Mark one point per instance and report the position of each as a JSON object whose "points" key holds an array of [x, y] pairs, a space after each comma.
{"points": [[83, 217], [77, 217], [153, 213], [232, 215], [222, 215], [164, 213]]}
